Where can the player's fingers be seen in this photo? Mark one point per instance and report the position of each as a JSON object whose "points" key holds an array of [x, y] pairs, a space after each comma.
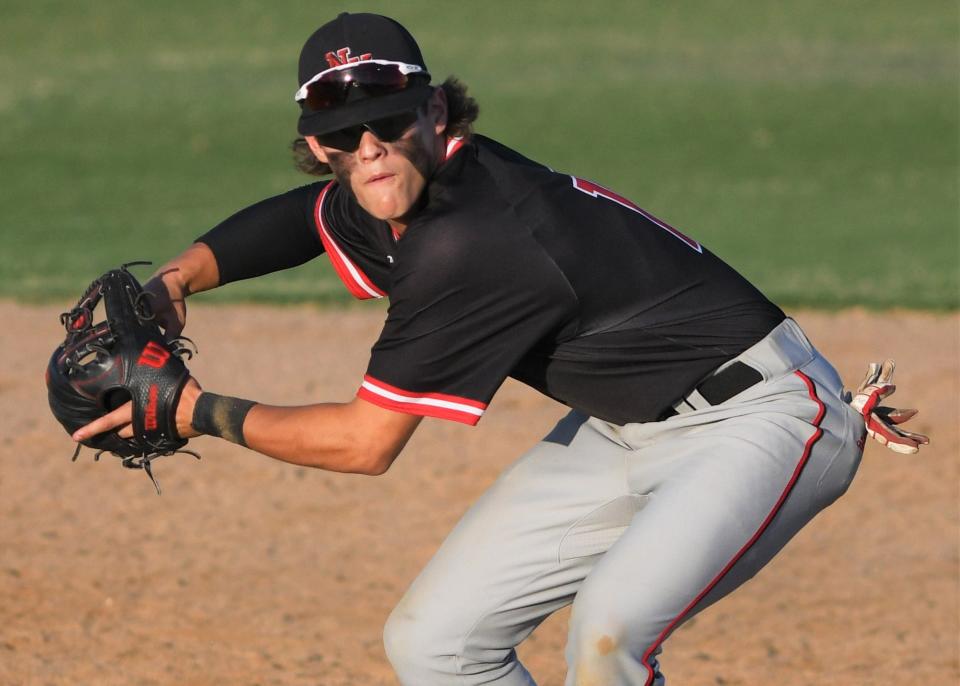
{"points": [[173, 329], [170, 310], [171, 321], [120, 416]]}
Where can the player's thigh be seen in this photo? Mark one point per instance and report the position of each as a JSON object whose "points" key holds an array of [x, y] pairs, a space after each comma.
{"points": [[515, 556], [724, 501]]}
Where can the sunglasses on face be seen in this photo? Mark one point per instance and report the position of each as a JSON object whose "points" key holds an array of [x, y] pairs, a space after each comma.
{"points": [[387, 130], [334, 87]]}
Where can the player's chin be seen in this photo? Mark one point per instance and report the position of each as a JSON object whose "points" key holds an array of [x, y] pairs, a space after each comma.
{"points": [[389, 206]]}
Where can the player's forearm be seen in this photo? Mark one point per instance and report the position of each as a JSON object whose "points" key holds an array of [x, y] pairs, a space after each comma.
{"points": [[331, 436], [313, 436], [192, 271]]}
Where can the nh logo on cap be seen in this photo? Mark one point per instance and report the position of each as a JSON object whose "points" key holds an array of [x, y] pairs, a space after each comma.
{"points": [[342, 56]]}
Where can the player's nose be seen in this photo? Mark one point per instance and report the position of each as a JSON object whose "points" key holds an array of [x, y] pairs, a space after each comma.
{"points": [[370, 147]]}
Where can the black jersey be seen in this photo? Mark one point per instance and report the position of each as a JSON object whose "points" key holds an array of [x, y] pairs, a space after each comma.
{"points": [[512, 269]]}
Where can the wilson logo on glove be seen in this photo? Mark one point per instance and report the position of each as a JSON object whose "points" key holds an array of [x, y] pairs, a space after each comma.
{"points": [[150, 411], [154, 355]]}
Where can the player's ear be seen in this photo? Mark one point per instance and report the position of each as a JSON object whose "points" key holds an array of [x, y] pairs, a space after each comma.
{"points": [[437, 111], [316, 149]]}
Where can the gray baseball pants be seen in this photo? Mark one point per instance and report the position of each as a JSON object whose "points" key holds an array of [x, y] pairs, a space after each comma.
{"points": [[639, 526]]}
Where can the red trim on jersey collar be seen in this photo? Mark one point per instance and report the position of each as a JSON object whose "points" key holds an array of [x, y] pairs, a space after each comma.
{"points": [[438, 405], [453, 144], [359, 284]]}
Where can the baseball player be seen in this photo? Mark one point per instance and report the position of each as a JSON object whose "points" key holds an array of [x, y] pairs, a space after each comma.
{"points": [[705, 429]]}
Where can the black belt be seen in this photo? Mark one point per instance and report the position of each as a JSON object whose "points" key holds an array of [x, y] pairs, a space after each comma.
{"points": [[719, 387]]}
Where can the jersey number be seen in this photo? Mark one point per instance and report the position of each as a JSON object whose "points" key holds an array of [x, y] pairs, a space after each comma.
{"points": [[596, 191]]}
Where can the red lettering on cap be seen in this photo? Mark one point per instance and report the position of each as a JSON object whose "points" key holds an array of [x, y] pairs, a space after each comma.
{"points": [[342, 57], [332, 60]]}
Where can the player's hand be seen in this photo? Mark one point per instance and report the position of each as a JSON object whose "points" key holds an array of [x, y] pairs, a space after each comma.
{"points": [[882, 422], [188, 399], [168, 299], [192, 271], [121, 419]]}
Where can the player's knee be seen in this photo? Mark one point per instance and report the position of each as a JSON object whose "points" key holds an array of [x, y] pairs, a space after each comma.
{"points": [[400, 640], [596, 643], [416, 646], [428, 644], [604, 651]]}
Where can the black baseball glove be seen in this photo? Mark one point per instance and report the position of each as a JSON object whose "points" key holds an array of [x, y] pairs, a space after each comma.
{"points": [[100, 366]]}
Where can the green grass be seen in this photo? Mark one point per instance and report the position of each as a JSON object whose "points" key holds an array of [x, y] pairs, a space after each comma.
{"points": [[812, 144]]}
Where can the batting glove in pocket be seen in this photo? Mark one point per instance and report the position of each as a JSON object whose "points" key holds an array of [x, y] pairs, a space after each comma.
{"points": [[882, 422]]}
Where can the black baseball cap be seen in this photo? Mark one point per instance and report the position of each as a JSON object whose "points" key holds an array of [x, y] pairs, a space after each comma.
{"points": [[354, 38]]}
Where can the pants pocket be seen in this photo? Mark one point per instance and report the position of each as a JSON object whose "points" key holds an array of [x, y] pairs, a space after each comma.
{"points": [[596, 531], [847, 437]]}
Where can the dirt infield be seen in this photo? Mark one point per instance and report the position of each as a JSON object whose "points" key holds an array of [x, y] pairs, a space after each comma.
{"points": [[249, 571]]}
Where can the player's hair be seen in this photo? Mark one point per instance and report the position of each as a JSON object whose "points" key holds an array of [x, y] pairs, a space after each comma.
{"points": [[462, 111]]}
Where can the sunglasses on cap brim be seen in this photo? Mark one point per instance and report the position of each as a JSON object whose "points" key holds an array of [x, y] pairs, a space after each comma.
{"points": [[387, 129], [372, 78]]}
